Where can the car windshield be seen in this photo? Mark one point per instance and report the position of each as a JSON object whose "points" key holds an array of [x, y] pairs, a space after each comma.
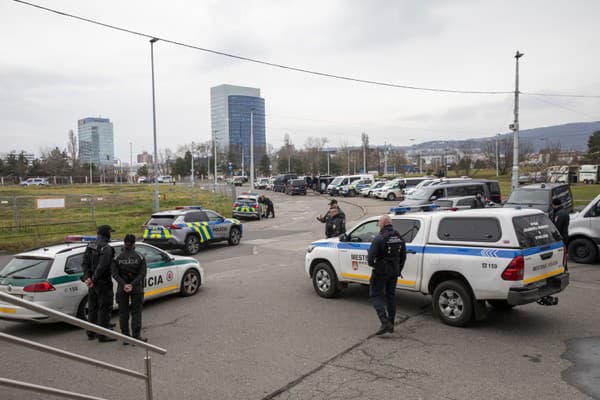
{"points": [[26, 268], [297, 182], [529, 196], [337, 180], [161, 220], [420, 194]]}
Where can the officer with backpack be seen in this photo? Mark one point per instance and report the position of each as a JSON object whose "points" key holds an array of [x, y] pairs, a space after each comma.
{"points": [[96, 265], [386, 256], [129, 270]]}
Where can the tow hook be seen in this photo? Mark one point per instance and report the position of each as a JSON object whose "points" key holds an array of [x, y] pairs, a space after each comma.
{"points": [[548, 301]]}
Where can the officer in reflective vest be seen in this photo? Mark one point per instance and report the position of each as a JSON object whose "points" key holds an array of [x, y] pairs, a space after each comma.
{"points": [[129, 270], [387, 255]]}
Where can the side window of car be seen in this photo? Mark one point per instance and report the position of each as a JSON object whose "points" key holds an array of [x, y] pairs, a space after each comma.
{"points": [[464, 202], [365, 233], [192, 217], [151, 254], [469, 229], [408, 228], [213, 216], [73, 264], [472, 190]]}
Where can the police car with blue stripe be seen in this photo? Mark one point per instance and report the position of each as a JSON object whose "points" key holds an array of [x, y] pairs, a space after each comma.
{"points": [[463, 259], [190, 227], [50, 276]]}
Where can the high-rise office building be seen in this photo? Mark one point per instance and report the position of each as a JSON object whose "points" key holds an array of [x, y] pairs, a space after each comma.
{"points": [[231, 108], [96, 142]]}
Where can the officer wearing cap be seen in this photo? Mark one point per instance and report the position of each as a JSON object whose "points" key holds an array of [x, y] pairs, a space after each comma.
{"points": [[129, 270], [333, 203], [96, 265]]}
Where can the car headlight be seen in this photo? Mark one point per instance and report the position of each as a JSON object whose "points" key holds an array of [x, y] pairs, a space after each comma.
{"points": [[310, 248]]}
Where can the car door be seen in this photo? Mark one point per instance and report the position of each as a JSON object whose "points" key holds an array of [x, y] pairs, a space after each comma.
{"points": [[217, 225], [162, 276], [353, 252], [410, 229]]}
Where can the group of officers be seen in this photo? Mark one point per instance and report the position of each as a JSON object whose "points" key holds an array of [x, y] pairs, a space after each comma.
{"points": [[128, 269]]}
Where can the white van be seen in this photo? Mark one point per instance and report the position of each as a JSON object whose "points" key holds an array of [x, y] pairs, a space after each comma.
{"points": [[343, 180]]}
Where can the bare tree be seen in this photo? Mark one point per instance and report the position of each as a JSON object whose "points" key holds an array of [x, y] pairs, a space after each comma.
{"points": [[505, 153], [72, 148]]}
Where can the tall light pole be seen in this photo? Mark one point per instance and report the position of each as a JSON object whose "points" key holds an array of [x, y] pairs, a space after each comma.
{"points": [[156, 199], [348, 160], [192, 152], [515, 127], [131, 174], [328, 158], [497, 156], [364, 154], [385, 156], [215, 151], [251, 149]]}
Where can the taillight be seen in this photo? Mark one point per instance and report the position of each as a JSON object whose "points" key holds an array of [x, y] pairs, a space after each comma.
{"points": [[515, 270], [173, 226], [236, 204], [39, 287], [254, 205]]}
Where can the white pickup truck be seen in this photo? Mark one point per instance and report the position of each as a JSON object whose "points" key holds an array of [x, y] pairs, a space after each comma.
{"points": [[506, 257]]}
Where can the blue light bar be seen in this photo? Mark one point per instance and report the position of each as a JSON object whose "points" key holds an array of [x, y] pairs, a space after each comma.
{"points": [[399, 210], [404, 210]]}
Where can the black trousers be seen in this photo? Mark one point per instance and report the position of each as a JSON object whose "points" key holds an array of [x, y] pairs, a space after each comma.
{"points": [[130, 303], [100, 304], [382, 291], [270, 210]]}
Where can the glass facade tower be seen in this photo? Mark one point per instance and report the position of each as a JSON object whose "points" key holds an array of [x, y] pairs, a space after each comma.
{"points": [[230, 123], [96, 142]]}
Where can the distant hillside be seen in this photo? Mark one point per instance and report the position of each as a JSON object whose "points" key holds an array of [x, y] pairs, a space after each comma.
{"points": [[573, 136]]}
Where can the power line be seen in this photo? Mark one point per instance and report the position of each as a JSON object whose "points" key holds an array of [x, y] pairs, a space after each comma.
{"points": [[583, 96], [267, 63]]}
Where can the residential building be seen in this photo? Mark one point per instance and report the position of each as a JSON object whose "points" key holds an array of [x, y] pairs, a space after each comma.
{"points": [[231, 109], [96, 142]]}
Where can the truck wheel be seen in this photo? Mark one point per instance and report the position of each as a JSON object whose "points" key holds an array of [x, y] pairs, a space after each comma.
{"points": [[192, 244], [325, 281], [583, 251], [391, 197], [500, 304], [234, 236], [453, 303]]}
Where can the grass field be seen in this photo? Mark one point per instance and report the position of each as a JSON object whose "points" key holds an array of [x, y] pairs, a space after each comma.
{"points": [[125, 207]]}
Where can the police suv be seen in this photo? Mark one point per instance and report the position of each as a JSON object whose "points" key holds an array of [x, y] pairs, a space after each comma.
{"points": [[247, 206], [189, 227], [50, 276], [506, 257]]}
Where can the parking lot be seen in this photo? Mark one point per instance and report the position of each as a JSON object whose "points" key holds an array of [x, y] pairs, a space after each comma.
{"points": [[257, 330]]}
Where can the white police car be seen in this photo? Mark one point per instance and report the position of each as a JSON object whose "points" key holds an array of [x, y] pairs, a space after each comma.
{"points": [[506, 257], [50, 276]]}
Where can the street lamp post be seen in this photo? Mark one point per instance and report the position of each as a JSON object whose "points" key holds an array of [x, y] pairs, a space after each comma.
{"points": [[156, 199], [251, 149], [497, 156], [192, 152], [328, 157], [131, 161], [515, 126]]}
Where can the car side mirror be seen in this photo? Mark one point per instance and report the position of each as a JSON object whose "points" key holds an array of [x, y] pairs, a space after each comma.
{"points": [[432, 198], [343, 237]]}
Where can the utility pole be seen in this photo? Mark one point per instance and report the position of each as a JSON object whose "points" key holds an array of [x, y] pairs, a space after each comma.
{"points": [[156, 198], [252, 149], [348, 160], [385, 156], [328, 157], [131, 174], [364, 154], [515, 127]]}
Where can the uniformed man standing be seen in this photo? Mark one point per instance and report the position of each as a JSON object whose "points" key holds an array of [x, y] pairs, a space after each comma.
{"points": [[335, 224], [270, 209], [129, 270], [387, 255], [96, 265]]}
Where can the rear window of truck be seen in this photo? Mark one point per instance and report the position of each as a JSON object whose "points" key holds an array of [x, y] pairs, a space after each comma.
{"points": [[456, 229], [535, 230]]}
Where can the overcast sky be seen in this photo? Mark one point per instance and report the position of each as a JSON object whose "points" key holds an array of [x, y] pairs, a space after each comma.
{"points": [[55, 70]]}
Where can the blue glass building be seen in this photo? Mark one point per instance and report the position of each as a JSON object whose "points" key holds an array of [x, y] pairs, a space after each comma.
{"points": [[96, 142], [231, 107]]}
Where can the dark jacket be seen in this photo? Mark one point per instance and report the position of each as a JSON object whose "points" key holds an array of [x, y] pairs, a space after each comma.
{"points": [[387, 253], [268, 202], [130, 267], [335, 226], [97, 261], [325, 217], [561, 220]]}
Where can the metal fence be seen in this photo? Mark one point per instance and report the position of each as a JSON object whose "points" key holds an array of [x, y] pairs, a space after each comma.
{"points": [[145, 376]]}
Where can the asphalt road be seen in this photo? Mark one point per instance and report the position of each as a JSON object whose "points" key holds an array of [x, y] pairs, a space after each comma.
{"points": [[257, 330]]}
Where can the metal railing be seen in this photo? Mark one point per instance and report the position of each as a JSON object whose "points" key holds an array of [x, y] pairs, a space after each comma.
{"points": [[147, 376]]}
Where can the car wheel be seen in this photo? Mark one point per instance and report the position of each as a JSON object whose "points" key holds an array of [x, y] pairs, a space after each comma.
{"points": [[583, 251], [235, 235], [192, 244], [82, 310], [325, 281], [453, 303], [500, 304], [391, 197], [190, 283]]}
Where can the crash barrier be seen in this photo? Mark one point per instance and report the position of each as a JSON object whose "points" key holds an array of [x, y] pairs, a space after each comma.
{"points": [[146, 376]]}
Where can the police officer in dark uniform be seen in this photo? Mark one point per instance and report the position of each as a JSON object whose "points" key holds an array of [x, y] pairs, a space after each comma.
{"points": [[270, 208], [561, 219], [335, 224], [96, 265], [129, 270], [387, 255]]}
